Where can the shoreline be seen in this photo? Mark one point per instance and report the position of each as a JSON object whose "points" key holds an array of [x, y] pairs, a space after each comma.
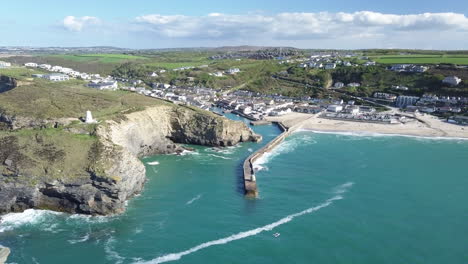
{"points": [[423, 126], [375, 134]]}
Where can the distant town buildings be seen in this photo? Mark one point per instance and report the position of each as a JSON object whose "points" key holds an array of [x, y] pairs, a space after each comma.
{"points": [[409, 68]]}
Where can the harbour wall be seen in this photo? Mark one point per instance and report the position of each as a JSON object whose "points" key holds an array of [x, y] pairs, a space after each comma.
{"points": [[250, 181]]}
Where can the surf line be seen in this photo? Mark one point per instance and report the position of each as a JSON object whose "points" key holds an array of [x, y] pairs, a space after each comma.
{"points": [[176, 256], [250, 181]]}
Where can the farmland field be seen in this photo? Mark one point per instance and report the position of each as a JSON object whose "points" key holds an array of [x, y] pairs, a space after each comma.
{"points": [[102, 58], [422, 59]]}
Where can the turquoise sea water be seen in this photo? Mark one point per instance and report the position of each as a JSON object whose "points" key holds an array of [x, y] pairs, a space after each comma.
{"points": [[333, 198]]}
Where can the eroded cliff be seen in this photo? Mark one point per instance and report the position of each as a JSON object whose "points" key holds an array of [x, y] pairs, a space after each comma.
{"points": [[97, 173]]}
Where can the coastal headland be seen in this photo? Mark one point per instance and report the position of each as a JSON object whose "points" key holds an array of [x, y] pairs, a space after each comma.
{"points": [[51, 159]]}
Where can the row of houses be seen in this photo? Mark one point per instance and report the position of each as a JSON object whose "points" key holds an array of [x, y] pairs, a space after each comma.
{"points": [[63, 70], [409, 68]]}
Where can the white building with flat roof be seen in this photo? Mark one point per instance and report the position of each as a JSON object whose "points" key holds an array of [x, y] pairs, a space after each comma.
{"points": [[335, 108], [109, 85], [56, 77]]}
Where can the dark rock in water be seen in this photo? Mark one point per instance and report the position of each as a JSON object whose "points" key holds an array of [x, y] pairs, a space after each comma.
{"points": [[4, 253]]}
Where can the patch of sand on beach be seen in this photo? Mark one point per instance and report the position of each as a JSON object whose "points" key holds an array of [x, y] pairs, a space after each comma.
{"points": [[423, 125]]}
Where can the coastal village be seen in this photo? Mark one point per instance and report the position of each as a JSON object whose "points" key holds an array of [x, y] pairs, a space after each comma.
{"points": [[380, 108]]}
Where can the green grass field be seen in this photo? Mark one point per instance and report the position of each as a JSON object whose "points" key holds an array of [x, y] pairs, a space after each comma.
{"points": [[102, 58], [422, 59]]}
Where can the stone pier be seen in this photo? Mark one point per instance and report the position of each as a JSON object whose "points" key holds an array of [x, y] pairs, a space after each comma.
{"points": [[250, 182]]}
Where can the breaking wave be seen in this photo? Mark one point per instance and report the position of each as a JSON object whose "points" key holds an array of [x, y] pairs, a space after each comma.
{"points": [[218, 156], [287, 146], [193, 199], [176, 256], [153, 163], [28, 217]]}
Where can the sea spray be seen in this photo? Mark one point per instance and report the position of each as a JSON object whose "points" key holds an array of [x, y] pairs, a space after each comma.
{"points": [[176, 256]]}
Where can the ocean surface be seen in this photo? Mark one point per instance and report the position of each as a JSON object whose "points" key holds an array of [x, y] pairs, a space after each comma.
{"points": [[333, 198]]}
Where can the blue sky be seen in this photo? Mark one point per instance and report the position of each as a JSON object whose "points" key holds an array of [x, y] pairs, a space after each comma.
{"points": [[175, 23]]}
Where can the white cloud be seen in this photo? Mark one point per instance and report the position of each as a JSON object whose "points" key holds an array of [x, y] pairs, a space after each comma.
{"points": [[299, 26], [77, 24]]}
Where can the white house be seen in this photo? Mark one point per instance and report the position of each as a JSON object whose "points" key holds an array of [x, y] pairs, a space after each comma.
{"points": [[452, 80], [31, 64], [339, 85], [354, 110], [4, 64], [330, 66], [45, 66], [354, 84], [233, 71], [56, 77], [110, 85], [56, 68], [154, 74], [335, 108]]}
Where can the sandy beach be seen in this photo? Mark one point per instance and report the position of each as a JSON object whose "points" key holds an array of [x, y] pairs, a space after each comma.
{"points": [[422, 125]]}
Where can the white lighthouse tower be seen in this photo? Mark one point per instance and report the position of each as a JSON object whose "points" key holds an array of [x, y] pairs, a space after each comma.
{"points": [[89, 118]]}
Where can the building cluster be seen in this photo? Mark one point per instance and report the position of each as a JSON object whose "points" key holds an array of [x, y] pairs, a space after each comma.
{"points": [[4, 64], [61, 74], [230, 71], [200, 97], [409, 68], [385, 96], [365, 117], [339, 85], [429, 103]]}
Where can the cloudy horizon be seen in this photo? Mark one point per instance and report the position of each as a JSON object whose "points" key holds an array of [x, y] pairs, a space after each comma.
{"points": [[359, 28]]}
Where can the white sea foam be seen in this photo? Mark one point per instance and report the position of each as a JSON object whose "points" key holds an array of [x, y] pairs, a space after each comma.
{"points": [[153, 163], [242, 235], [187, 152], [80, 240], [112, 255], [90, 219], [284, 147], [193, 199], [250, 150], [218, 156], [28, 217], [343, 188]]}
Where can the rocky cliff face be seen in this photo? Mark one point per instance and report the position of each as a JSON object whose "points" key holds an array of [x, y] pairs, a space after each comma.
{"points": [[115, 173]]}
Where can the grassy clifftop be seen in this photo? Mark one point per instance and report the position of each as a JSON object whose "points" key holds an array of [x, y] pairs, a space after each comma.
{"points": [[41, 99]]}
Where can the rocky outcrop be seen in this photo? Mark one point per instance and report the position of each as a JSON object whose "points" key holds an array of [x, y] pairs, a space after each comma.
{"points": [[115, 173], [4, 253], [7, 83], [19, 122]]}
